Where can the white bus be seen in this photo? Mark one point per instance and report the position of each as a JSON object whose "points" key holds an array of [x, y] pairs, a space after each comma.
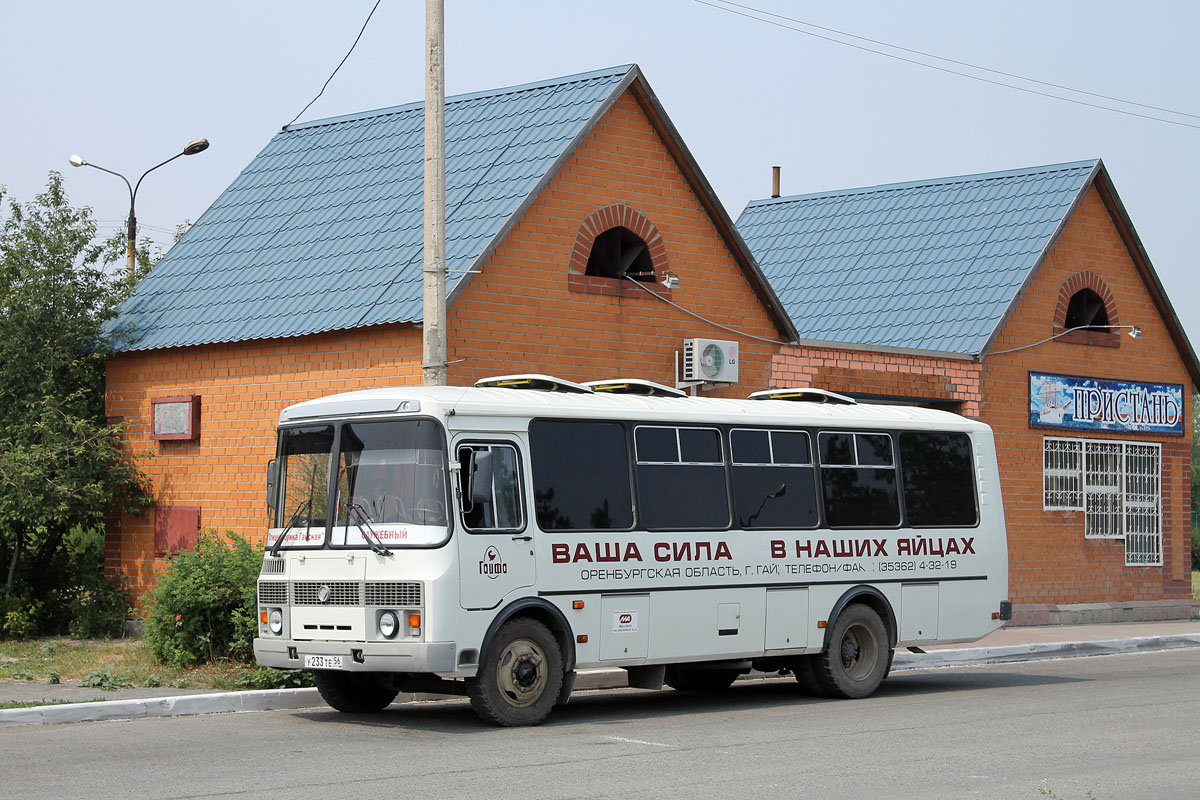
{"points": [[490, 541]]}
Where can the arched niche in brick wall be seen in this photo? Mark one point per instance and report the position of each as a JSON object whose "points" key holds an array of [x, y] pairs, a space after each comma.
{"points": [[1085, 299], [614, 242]]}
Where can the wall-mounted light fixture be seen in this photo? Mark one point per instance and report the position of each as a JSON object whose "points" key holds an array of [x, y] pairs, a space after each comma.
{"points": [[1135, 332]]}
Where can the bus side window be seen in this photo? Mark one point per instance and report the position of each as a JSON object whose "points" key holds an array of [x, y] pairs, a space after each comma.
{"points": [[939, 479], [858, 479], [490, 488]]}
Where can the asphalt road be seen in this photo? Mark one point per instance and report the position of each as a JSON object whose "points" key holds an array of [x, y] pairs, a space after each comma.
{"points": [[1115, 726]]}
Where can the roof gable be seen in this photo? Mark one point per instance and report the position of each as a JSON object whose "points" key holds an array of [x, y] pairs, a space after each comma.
{"points": [[323, 229], [927, 266]]}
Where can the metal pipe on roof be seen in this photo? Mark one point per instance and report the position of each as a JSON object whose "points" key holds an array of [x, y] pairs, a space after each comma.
{"points": [[775, 181]]}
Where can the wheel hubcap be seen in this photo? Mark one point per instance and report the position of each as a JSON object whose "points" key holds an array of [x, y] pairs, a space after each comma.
{"points": [[858, 652], [521, 677]]}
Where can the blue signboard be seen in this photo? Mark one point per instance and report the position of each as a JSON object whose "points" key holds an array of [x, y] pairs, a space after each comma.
{"points": [[1062, 401]]}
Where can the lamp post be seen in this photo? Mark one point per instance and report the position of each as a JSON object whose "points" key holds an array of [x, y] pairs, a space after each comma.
{"points": [[190, 149]]}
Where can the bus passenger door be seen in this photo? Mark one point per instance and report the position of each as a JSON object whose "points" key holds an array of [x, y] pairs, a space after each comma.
{"points": [[495, 539]]}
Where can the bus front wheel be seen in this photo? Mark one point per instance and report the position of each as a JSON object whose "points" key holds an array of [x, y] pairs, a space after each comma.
{"points": [[520, 677], [856, 658], [353, 692]]}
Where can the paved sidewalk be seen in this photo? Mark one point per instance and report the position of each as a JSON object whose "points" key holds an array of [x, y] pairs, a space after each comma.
{"points": [[1003, 646]]}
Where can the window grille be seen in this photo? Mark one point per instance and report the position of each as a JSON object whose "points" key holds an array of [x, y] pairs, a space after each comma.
{"points": [[1102, 490], [1143, 505], [1062, 474], [1118, 486]]}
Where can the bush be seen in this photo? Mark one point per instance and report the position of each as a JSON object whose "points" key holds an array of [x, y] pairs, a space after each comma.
{"points": [[268, 678], [73, 595], [205, 605], [1195, 546], [97, 604], [19, 617]]}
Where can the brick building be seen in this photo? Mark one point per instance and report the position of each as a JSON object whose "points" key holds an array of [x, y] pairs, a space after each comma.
{"points": [[304, 279], [572, 206], [1008, 297]]}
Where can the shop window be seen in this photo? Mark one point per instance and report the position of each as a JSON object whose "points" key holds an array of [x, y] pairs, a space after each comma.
{"points": [[1117, 486], [620, 253], [1086, 310]]}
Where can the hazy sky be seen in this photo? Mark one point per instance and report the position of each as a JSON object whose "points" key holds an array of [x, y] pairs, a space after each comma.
{"points": [[127, 84]]}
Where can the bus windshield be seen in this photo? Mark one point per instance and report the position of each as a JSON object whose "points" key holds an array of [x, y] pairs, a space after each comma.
{"points": [[391, 484], [304, 457], [392, 472]]}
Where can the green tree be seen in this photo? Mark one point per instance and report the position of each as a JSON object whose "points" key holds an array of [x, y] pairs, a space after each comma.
{"points": [[61, 464]]}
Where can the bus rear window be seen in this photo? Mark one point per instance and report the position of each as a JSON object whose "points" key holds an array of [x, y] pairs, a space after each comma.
{"points": [[939, 482]]}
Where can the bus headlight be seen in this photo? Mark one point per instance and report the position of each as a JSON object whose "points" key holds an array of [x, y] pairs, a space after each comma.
{"points": [[275, 621], [389, 624]]}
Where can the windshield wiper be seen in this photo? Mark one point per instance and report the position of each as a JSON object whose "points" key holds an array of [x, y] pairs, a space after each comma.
{"points": [[304, 508], [373, 541]]}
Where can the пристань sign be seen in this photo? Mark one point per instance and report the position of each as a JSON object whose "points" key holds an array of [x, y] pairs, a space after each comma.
{"points": [[1062, 401]]}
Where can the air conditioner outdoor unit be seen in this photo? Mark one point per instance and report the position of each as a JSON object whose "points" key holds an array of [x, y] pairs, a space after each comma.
{"points": [[711, 360]]}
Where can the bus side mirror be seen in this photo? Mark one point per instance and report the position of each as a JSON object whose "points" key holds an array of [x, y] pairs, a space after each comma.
{"points": [[477, 481], [272, 478]]}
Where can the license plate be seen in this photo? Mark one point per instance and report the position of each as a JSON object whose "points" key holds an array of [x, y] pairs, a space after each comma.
{"points": [[323, 662]]}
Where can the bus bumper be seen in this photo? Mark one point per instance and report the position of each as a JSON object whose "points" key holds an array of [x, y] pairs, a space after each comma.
{"points": [[359, 656]]}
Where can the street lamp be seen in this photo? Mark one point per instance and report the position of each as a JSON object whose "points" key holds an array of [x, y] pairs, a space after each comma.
{"points": [[190, 149]]}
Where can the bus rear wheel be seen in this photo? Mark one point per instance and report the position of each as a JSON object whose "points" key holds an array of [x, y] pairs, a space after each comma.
{"points": [[353, 692], [683, 679], [856, 658], [520, 677]]}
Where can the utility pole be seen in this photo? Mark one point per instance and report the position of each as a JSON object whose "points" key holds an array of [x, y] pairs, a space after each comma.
{"points": [[433, 269]]}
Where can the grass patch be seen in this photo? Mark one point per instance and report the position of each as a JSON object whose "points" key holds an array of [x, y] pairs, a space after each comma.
{"points": [[1196, 585], [113, 664], [35, 703]]}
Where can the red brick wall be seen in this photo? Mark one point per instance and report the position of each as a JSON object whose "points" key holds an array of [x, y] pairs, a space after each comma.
{"points": [[521, 314], [880, 374], [242, 388], [1051, 562], [531, 308]]}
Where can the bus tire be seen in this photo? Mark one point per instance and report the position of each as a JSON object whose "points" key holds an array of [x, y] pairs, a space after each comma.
{"points": [[353, 692], [682, 679], [856, 659], [806, 675], [521, 675]]}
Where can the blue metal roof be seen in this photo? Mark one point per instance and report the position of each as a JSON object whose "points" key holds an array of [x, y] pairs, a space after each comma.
{"points": [[323, 230], [927, 266]]}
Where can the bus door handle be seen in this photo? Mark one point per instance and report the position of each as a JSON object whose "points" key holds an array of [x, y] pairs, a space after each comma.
{"points": [[521, 537]]}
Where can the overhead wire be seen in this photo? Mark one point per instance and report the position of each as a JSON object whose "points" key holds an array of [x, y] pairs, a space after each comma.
{"points": [[732, 8], [645, 288], [340, 63]]}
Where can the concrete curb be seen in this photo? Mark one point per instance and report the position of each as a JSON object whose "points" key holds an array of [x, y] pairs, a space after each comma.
{"points": [[282, 699], [183, 705], [970, 656]]}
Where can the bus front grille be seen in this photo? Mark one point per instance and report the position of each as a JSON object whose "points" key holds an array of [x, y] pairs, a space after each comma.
{"points": [[340, 593], [393, 593], [273, 593]]}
